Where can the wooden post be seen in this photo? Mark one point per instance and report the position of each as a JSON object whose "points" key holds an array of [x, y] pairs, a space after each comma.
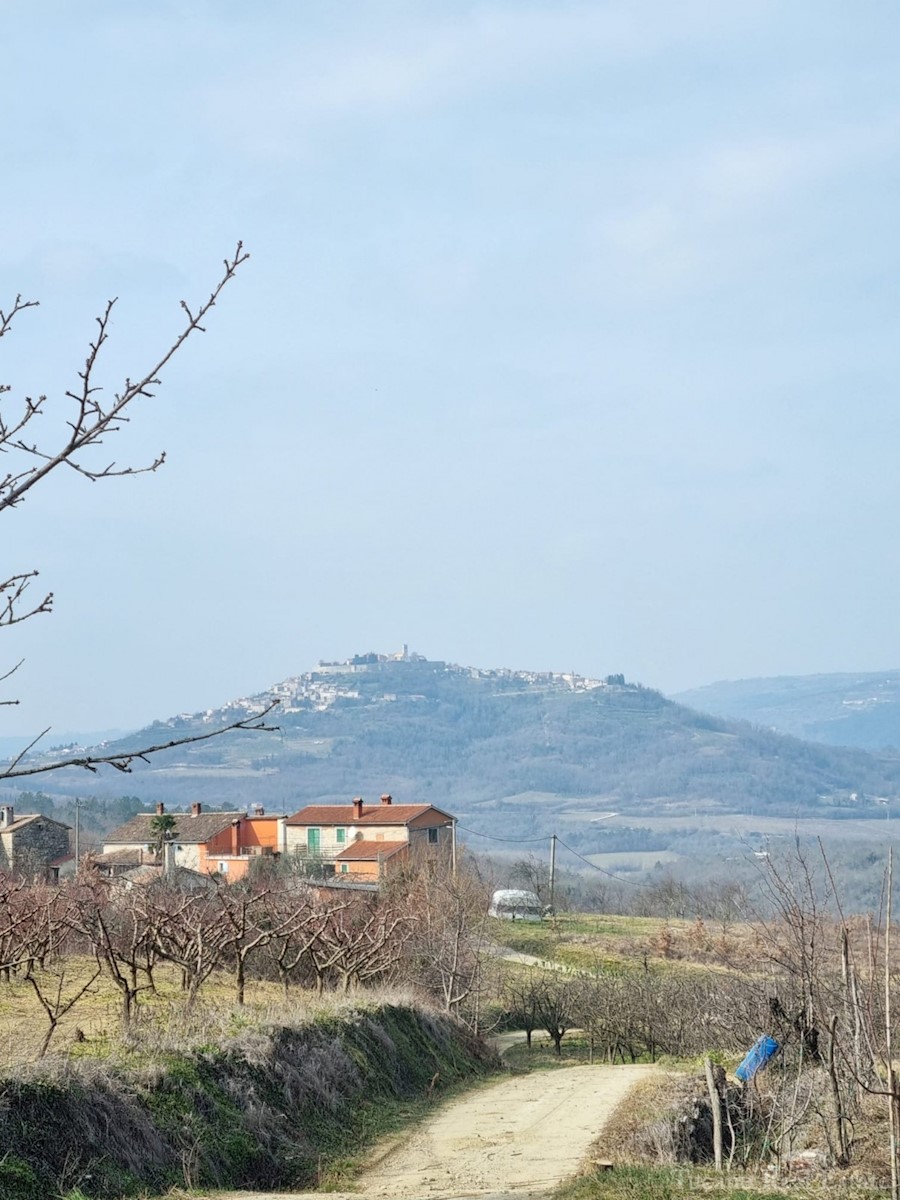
{"points": [[888, 1033], [715, 1104]]}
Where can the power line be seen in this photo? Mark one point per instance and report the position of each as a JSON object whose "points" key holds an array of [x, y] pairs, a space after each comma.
{"points": [[493, 838], [602, 870]]}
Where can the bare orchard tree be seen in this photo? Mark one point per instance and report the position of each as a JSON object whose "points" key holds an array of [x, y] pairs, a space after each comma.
{"points": [[244, 929], [185, 929], [448, 953], [299, 919], [51, 969], [521, 992], [34, 448], [363, 941], [119, 935]]}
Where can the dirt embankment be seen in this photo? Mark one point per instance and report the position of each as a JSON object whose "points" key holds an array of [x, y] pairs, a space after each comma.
{"points": [[515, 1138]]}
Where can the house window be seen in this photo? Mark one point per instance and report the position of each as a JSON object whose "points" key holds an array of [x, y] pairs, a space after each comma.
{"points": [[340, 835], [344, 868], [223, 868], [313, 839], [432, 837]]}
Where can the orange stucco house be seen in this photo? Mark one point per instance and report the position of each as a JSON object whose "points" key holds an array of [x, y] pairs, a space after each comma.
{"points": [[220, 843], [364, 841]]}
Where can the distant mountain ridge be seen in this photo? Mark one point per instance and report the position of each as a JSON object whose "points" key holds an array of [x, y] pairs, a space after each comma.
{"points": [[845, 709], [503, 749]]}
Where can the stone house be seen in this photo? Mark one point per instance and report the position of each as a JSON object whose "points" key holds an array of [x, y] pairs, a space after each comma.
{"points": [[32, 844]]}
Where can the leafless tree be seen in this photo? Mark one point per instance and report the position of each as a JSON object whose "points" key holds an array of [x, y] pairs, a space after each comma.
{"points": [[243, 927], [557, 1007], [359, 940], [48, 968], [532, 874], [35, 447], [299, 919], [185, 928], [15, 915], [119, 936], [521, 996], [448, 952]]}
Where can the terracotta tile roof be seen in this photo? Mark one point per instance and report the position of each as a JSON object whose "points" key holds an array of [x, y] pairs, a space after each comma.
{"points": [[370, 851], [187, 828], [372, 814]]}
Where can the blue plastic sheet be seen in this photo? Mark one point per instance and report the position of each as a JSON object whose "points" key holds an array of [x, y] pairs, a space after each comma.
{"points": [[757, 1058]]}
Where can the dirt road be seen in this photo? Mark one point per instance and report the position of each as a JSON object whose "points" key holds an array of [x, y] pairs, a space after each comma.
{"points": [[515, 1138]]}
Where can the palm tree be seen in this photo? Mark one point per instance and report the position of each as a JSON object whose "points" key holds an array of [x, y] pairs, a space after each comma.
{"points": [[162, 826]]}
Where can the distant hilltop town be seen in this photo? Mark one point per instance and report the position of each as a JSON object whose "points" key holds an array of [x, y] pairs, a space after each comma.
{"points": [[330, 683], [363, 661]]}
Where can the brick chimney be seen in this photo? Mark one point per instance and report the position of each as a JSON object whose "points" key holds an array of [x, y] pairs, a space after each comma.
{"points": [[386, 798], [236, 836], [196, 808], [357, 807], [160, 809]]}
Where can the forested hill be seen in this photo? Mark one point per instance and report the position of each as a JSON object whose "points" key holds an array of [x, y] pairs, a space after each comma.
{"points": [[491, 743], [843, 710]]}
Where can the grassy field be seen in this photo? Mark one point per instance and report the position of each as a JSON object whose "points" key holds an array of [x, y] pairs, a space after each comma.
{"points": [[93, 1025], [677, 1183], [91, 1028], [589, 942]]}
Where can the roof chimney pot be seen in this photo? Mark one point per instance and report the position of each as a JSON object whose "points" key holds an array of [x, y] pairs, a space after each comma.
{"points": [[196, 809], [386, 798], [160, 809], [357, 807]]}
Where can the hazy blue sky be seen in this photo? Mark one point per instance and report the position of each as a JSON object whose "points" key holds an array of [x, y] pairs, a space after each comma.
{"points": [[569, 338]]}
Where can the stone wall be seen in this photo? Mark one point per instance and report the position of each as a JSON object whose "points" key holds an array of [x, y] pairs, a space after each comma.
{"points": [[37, 844]]}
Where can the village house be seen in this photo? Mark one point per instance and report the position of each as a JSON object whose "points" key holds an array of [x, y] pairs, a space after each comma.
{"points": [[32, 844], [222, 843], [365, 841]]}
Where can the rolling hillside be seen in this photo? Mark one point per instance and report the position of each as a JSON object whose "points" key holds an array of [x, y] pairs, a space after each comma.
{"points": [[505, 750], [840, 710]]}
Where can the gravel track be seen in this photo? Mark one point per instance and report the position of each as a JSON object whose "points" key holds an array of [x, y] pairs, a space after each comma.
{"points": [[509, 1140]]}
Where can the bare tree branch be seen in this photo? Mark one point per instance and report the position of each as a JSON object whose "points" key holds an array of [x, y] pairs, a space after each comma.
{"points": [[93, 419], [122, 762]]}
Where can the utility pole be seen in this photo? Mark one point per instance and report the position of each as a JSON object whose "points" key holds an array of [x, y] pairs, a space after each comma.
{"points": [[453, 847], [78, 804], [552, 868]]}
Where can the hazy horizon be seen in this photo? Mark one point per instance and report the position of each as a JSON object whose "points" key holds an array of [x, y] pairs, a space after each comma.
{"points": [[568, 341]]}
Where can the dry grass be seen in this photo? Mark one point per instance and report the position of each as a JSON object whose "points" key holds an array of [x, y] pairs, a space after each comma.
{"points": [[226, 1097], [161, 1019], [639, 1131]]}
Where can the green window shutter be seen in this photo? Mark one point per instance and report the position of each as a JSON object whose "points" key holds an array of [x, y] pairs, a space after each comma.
{"points": [[341, 835], [312, 839]]}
